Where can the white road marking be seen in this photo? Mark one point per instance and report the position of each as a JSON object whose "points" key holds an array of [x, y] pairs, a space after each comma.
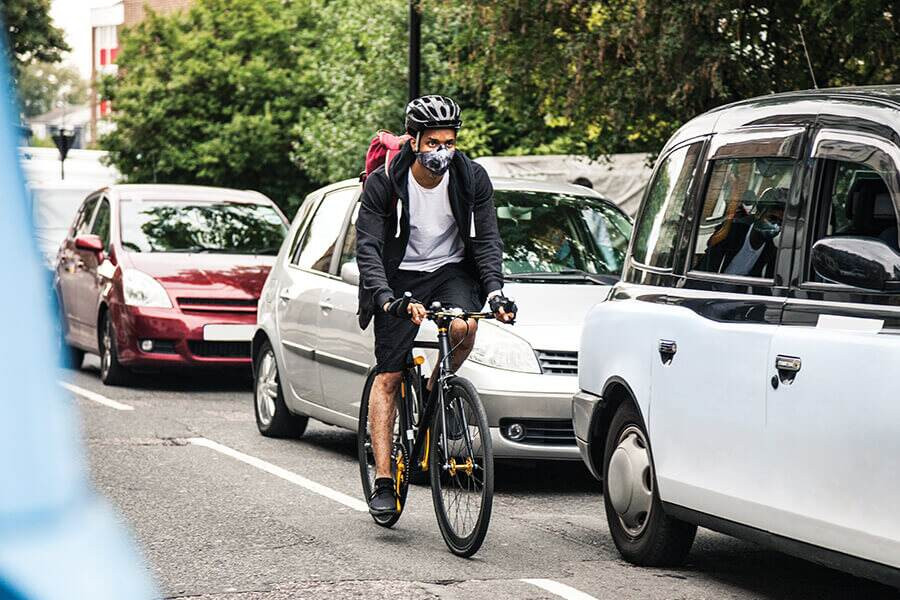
{"points": [[268, 467], [98, 398], [560, 589]]}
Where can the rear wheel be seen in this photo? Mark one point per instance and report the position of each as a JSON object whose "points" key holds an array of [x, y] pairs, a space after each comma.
{"points": [[111, 371], [399, 458], [642, 532], [462, 477], [273, 419]]}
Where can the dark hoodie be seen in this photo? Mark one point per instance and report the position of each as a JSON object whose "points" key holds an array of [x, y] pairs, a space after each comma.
{"points": [[380, 247]]}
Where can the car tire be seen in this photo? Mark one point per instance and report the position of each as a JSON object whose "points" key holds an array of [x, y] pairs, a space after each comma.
{"points": [[273, 419], [111, 370], [642, 532]]}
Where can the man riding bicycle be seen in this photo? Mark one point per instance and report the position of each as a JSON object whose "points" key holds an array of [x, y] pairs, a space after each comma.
{"points": [[427, 225]]}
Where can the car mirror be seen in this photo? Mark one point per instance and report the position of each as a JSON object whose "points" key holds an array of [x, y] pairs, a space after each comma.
{"points": [[865, 263], [350, 272], [89, 242]]}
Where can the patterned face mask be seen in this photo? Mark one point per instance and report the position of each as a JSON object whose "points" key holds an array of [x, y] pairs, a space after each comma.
{"points": [[437, 161]]}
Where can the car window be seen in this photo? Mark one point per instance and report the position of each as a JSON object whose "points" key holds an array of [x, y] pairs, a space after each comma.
{"points": [[348, 251], [301, 218], [200, 226], [101, 223], [663, 211], [83, 220], [550, 232], [857, 191], [740, 220], [317, 246]]}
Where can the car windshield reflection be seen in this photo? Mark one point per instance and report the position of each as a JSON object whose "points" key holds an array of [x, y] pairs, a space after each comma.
{"points": [[560, 236], [201, 227]]}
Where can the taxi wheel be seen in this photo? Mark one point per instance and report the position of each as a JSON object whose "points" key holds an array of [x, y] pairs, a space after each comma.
{"points": [[273, 419], [111, 371], [641, 530]]}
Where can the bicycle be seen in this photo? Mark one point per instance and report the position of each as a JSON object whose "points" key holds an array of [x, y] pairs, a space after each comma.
{"points": [[453, 448]]}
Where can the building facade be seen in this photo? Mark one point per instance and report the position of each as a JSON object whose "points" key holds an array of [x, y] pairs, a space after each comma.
{"points": [[106, 26]]}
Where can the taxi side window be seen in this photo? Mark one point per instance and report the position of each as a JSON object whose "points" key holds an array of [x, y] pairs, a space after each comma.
{"points": [[741, 217], [664, 208], [859, 204]]}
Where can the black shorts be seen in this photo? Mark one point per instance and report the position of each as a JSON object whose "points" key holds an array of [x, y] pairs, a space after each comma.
{"points": [[451, 285]]}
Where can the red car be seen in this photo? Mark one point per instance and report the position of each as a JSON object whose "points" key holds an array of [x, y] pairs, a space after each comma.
{"points": [[154, 276]]}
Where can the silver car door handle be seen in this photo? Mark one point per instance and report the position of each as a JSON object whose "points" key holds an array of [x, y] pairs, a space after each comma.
{"points": [[284, 295], [324, 305], [667, 350], [787, 367]]}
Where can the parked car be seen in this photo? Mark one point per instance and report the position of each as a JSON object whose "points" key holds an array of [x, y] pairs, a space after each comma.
{"points": [[154, 276], [564, 247], [741, 375]]}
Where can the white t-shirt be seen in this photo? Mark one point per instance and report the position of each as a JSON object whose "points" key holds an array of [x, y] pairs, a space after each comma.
{"points": [[434, 239]]}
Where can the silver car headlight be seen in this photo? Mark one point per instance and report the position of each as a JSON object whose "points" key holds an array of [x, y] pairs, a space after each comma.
{"points": [[501, 349], [140, 289]]}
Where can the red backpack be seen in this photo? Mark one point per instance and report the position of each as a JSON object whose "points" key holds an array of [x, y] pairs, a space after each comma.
{"points": [[384, 147]]}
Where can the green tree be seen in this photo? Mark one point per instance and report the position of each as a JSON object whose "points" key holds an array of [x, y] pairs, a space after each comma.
{"points": [[211, 96], [42, 85], [621, 75], [32, 36]]}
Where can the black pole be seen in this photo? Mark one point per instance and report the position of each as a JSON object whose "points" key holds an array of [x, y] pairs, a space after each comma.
{"points": [[415, 36]]}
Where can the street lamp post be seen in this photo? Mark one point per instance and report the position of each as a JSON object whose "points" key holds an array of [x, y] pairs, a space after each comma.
{"points": [[63, 140], [415, 37]]}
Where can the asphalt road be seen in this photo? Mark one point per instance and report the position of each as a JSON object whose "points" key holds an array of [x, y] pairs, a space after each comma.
{"points": [[213, 526]]}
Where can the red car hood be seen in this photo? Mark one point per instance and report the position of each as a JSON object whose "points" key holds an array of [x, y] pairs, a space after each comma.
{"points": [[220, 275]]}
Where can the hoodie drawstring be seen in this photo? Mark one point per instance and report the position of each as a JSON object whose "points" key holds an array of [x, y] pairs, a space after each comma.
{"points": [[399, 210]]}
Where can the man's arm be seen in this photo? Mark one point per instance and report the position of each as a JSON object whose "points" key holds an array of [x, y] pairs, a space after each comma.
{"points": [[487, 247], [370, 228]]}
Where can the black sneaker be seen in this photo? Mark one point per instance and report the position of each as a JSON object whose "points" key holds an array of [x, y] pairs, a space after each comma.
{"points": [[383, 502]]}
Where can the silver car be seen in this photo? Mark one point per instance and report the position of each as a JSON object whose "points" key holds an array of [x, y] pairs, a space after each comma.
{"points": [[564, 246]]}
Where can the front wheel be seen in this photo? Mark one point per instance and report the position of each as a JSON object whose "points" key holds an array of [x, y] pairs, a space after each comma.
{"points": [[642, 532], [461, 466], [399, 460], [273, 419], [111, 370]]}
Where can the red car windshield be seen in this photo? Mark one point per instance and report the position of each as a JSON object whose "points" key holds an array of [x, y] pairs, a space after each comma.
{"points": [[190, 226]]}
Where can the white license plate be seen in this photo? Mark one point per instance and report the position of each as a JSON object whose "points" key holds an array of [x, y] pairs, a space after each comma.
{"points": [[228, 333]]}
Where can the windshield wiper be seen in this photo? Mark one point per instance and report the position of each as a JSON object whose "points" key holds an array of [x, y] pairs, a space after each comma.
{"points": [[594, 277], [565, 274]]}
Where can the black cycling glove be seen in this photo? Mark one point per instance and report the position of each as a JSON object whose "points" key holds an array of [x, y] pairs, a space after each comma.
{"points": [[499, 301], [399, 307]]}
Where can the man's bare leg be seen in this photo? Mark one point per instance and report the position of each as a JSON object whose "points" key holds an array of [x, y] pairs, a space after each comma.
{"points": [[382, 413], [463, 340]]}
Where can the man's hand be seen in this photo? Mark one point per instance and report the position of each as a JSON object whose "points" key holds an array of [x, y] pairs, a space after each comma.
{"points": [[406, 306], [504, 309]]}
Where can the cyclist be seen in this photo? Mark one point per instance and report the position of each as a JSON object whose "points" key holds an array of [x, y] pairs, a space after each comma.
{"points": [[427, 225]]}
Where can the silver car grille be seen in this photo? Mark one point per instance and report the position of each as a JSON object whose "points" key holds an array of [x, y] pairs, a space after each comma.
{"points": [[558, 362]]}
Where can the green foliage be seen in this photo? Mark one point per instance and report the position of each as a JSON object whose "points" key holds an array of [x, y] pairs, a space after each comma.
{"points": [[42, 85], [211, 97], [32, 36], [622, 75]]}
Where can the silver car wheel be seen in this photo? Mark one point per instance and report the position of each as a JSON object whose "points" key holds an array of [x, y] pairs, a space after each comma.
{"points": [[630, 480], [266, 388]]}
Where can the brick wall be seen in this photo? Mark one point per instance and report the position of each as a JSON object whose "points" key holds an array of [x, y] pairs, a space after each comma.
{"points": [[134, 9]]}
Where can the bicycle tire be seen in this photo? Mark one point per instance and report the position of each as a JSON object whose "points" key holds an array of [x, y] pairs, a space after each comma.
{"points": [[462, 541], [366, 458]]}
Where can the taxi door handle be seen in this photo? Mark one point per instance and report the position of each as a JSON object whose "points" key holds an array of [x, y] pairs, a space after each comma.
{"points": [[667, 350], [326, 305], [787, 367]]}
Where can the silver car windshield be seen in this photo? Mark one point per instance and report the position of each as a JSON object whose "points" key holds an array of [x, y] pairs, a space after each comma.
{"points": [[190, 226], [547, 233]]}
